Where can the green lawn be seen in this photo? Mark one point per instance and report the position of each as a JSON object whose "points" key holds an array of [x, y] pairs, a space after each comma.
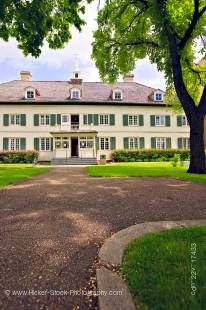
{"points": [[150, 169], [10, 174], [160, 269]]}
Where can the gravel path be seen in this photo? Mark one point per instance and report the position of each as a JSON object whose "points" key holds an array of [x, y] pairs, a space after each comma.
{"points": [[51, 226]]}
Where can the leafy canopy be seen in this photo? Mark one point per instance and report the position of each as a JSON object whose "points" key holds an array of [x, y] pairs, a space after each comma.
{"points": [[131, 30]]}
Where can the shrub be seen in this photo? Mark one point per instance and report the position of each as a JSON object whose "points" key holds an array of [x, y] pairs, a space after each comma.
{"points": [[175, 160], [149, 155], [9, 157]]}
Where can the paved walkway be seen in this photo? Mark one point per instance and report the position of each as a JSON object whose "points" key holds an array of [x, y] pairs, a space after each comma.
{"points": [[51, 226]]}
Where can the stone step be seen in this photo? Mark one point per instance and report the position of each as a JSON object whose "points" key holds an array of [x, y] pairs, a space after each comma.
{"points": [[74, 161]]}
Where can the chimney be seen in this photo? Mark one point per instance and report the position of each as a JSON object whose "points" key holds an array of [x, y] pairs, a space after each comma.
{"points": [[25, 76], [128, 78]]}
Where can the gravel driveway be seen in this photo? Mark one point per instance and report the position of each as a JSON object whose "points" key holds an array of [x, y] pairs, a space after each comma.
{"points": [[51, 227]]}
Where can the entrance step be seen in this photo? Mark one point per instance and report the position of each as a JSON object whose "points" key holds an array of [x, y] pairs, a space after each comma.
{"points": [[74, 161]]}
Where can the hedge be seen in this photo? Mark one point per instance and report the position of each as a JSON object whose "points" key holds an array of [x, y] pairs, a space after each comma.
{"points": [[9, 157], [149, 155]]}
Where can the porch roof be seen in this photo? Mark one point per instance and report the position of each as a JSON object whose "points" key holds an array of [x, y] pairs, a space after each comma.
{"points": [[71, 132]]}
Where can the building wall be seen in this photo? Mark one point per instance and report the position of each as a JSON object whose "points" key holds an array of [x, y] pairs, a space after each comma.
{"points": [[118, 130]]}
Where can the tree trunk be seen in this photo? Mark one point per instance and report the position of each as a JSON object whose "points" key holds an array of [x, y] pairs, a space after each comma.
{"points": [[197, 148]]}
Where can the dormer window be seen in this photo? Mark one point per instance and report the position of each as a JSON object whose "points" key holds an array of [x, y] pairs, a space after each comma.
{"points": [[75, 93], [30, 93], [117, 94], [158, 96]]}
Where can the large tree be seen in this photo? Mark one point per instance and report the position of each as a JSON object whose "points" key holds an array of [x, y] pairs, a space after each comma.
{"points": [[169, 32]]}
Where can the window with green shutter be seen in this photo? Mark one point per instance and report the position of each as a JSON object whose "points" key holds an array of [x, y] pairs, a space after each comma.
{"points": [[167, 121], [53, 119], [23, 119], [6, 120], [141, 143], [125, 120], [97, 143], [152, 120], [112, 119], [179, 120], [153, 143], [179, 143], [141, 120], [51, 144], [36, 119], [168, 143], [22, 144], [113, 143], [126, 142], [5, 144], [36, 144], [85, 119], [96, 119], [90, 119], [58, 119]]}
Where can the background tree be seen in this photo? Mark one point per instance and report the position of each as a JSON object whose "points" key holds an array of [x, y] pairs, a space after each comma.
{"points": [[165, 30], [168, 32]]}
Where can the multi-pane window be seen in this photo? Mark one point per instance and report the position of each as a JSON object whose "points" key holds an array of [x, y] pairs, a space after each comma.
{"points": [[45, 119], [184, 143], [45, 144], [14, 144], [86, 143], [184, 121], [158, 96], [104, 119], [160, 120], [15, 119], [104, 143], [75, 94], [30, 94], [133, 120], [133, 143], [61, 142], [161, 143], [117, 95], [65, 119]]}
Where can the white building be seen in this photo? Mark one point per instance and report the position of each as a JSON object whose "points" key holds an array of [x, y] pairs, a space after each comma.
{"points": [[65, 119]]}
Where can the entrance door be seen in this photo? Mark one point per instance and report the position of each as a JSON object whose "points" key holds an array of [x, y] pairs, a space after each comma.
{"points": [[74, 147]]}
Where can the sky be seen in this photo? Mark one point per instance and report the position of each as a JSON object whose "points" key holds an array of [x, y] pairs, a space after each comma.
{"points": [[59, 64]]}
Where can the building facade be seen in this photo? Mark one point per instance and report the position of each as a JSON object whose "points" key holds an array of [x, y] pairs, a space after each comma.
{"points": [[77, 119]]}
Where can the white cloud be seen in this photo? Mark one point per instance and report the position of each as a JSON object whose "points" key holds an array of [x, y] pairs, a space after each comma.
{"points": [[60, 60]]}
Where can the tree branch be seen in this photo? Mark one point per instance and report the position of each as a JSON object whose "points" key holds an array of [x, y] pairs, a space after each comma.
{"points": [[195, 19], [202, 105], [136, 42]]}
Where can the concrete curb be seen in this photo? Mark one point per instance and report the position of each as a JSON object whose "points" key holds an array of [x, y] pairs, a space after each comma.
{"points": [[110, 256]]}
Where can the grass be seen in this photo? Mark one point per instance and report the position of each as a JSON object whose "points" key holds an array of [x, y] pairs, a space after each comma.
{"points": [[13, 173], [158, 269], [149, 169]]}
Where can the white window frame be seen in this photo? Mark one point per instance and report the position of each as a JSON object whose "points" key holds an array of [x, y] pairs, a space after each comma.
{"points": [[105, 144], [162, 120], [184, 120], [115, 92], [161, 143], [185, 143], [68, 119], [86, 141], [14, 144], [30, 90], [15, 119], [45, 119], [158, 93], [133, 143], [133, 120], [75, 93], [45, 144], [104, 119]]}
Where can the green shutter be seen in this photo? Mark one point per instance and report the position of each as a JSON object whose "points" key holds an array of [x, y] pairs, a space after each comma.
{"points": [[125, 120], [126, 143], [90, 119], [179, 143], [85, 119], [58, 119], [23, 144], [152, 120], [6, 119], [52, 119], [179, 120], [168, 143], [113, 143], [36, 144], [36, 119], [23, 119], [167, 121], [5, 144], [141, 120], [96, 119], [153, 143], [141, 143], [52, 147], [97, 143], [112, 119]]}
